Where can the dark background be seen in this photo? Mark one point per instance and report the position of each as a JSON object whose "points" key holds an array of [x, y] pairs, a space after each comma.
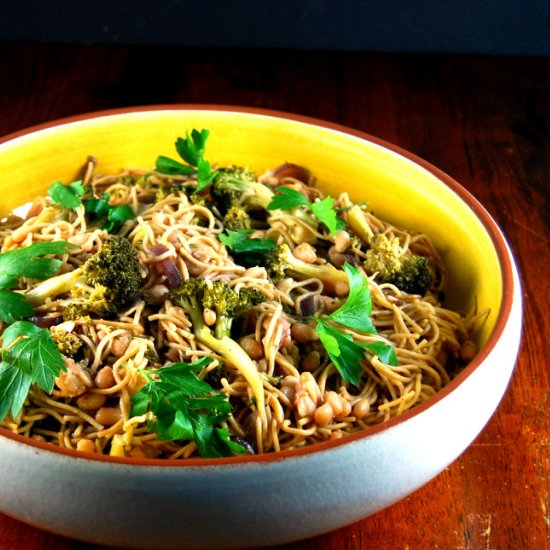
{"points": [[506, 27]]}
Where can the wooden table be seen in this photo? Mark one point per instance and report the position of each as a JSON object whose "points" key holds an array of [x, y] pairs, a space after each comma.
{"points": [[483, 120]]}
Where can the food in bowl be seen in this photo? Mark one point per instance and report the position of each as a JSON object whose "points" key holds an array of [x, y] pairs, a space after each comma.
{"points": [[203, 310], [253, 500]]}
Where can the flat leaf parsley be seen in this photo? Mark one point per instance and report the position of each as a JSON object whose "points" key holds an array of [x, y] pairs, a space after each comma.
{"points": [[26, 262], [288, 199], [191, 150], [186, 408], [355, 313], [250, 251]]}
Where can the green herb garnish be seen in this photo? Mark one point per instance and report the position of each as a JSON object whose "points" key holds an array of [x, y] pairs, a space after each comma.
{"points": [[112, 216], [251, 251], [29, 355], [26, 262], [191, 150], [288, 199], [68, 196], [355, 313], [186, 408]]}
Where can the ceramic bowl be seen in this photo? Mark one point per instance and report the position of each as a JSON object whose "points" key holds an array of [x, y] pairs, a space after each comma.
{"points": [[281, 497]]}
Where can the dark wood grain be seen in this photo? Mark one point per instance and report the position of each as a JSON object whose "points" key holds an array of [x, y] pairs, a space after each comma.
{"points": [[483, 120]]}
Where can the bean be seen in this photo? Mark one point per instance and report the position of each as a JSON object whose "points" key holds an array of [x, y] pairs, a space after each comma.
{"points": [[91, 401], [361, 409], [252, 347], [303, 333], [305, 405], [306, 253], [341, 288], [105, 378], [120, 344], [85, 446], [323, 415], [107, 416], [209, 316], [311, 361]]}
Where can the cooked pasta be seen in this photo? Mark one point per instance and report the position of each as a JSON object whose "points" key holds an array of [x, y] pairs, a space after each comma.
{"points": [[303, 398]]}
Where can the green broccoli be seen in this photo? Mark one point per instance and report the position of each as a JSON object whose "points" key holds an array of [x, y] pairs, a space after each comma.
{"points": [[387, 261], [236, 219], [108, 281], [281, 263], [237, 186], [67, 342], [194, 296]]}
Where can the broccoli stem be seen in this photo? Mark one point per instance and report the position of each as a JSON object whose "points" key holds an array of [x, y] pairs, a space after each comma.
{"points": [[238, 358], [60, 284], [232, 353], [357, 221]]}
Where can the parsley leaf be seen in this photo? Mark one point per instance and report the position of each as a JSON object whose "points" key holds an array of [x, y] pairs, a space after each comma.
{"points": [[186, 408], [324, 210], [344, 352], [287, 198], [112, 216], [191, 150], [14, 388], [355, 313], [25, 262], [13, 306], [250, 252], [29, 355], [68, 196]]}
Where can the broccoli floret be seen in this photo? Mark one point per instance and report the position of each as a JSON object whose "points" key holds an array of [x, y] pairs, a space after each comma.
{"points": [[67, 342], [281, 263], [236, 219], [108, 281], [194, 295], [386, 260], [237, 186]]}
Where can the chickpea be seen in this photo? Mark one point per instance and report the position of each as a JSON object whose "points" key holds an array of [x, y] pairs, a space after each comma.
{"points": [[90, 401], [107, 416], [361, 409], [105, 378], [305, 405], [306, 253], [303, 333], [340, 406], [209, 316], [341, 288], [311, 361], [323, 415], [252, 347], [85, 446], [120, 344]]}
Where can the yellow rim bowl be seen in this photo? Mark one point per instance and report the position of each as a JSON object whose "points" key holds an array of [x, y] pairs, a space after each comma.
{"points": [[398, 186]]}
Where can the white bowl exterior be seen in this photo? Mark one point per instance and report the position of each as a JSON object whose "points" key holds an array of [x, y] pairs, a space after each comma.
{"points": [[258, 503]]}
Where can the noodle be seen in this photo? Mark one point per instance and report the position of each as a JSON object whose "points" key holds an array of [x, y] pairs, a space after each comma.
{"points": [[90, 407]]}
